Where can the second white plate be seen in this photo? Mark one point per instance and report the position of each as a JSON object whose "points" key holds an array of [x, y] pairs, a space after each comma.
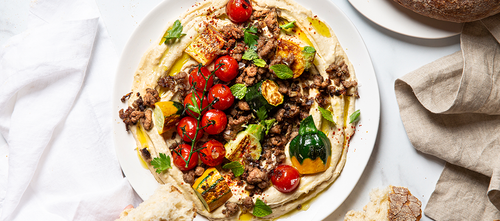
{"points": [[396, 18]]}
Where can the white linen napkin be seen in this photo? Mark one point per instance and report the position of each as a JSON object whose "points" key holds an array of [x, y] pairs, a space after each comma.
{"points": [[56, 80]]}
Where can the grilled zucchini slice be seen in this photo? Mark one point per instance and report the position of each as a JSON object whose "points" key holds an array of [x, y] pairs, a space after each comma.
{"points": [[205, 47], [212, 189]]}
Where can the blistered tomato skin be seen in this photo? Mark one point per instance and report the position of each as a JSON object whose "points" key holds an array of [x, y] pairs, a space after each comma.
{"points": [[224, 96], [239, 10], [189, 125], [228, 68], [184, 150], [213, 153], [195, 77], [188, 100], [285, 178], [214, 121]]}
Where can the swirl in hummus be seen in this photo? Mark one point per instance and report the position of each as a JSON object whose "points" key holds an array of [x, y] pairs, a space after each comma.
{"points": [[330, 83]]}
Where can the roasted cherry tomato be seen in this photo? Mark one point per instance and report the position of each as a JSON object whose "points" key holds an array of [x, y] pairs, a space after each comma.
{"points": [[196, 77], [213, 153], [184, 150], [239, 10], [228, 68], [188, 100], [285, 178], [218, 119], [223, 93], [189, 125]]}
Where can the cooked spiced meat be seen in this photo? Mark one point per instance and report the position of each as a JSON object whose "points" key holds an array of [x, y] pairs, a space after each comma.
{"points": [[271, 21], [243, 105], [232, 31], [148, 120], [248, 76], [247, 204], [151, 97], [266, 46], [177, 83], [234, 125], [126, 96], [231, 209], [145, 154], [199, 171], [189, 177], [237, 51], [348, 84]]}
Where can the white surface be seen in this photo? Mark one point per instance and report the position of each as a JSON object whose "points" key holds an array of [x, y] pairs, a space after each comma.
{"points": [[361, 145], [394, 17], [393, 161]]}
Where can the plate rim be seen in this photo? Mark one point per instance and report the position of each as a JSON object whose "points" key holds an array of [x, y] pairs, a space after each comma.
{"points": [[118, 127]]}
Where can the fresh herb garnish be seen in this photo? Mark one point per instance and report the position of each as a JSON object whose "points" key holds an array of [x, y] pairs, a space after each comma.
{"points": [[259, 62], [250, 38], [309, 49], [162, 163], [251, 55], [288, 25], [354, 117], [261, 209], [268, 124], [326, 114], [282, 71], [262, 113], [238, 90], [236, 167], [174, 33], [309, 53]]}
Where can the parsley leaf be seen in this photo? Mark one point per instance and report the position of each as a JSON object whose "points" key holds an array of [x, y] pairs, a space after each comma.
{"points": [[238, 90], [259, 62], [250, 38], [282, 71], [262, 113], [174, 33], [161, 164], [288, 25], [354, 117], [236, 167], [261, 209], [268, 124], [326, 114]]}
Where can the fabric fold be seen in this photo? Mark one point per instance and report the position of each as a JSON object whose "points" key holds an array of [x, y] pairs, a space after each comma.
{"points": [[37, 78], [450, 109], [55, 115]]}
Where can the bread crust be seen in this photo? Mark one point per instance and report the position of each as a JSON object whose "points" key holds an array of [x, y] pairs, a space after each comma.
{"points": [[453, 10]]}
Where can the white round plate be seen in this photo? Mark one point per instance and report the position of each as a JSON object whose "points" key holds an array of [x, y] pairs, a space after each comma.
{"points": [[396, 18], [362, 142]]}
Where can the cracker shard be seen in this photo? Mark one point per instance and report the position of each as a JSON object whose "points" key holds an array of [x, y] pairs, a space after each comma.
{"points": [[403, 205]]}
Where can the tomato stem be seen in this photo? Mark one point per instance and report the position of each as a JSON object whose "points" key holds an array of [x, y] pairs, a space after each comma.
{"points": [[201, 109]]}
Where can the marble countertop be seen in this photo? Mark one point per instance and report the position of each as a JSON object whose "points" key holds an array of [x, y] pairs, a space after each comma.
{"points": [[393, 162]]}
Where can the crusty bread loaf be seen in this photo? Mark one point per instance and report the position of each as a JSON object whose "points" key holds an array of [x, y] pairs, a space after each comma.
{"points": [[453, 10], [389, 204], [166, 204]]}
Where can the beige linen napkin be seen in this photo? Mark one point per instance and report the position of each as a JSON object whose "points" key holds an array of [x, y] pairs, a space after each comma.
{"points": [[450, 108]]}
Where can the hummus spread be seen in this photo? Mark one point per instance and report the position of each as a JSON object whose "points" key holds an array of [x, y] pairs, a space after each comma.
{"points": [[163, 59]]}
